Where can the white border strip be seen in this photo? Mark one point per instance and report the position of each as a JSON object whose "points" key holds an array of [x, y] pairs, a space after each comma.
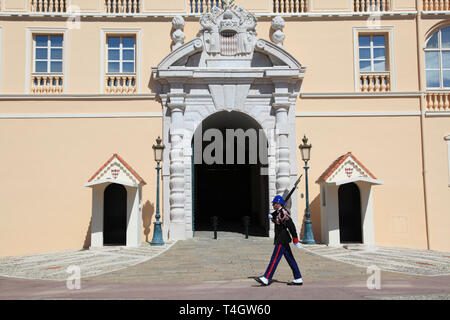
{"points": [[359, 114], [150, 96], [437, 113], [436, 13], [360, 94], [81, 115], [198, 15]]}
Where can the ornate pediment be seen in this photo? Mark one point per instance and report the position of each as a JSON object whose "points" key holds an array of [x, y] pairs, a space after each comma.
{"points": [[116, 170], [346, 169], [227, 40]]}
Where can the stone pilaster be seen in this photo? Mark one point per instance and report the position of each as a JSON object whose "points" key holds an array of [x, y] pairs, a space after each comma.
{"points": [[176, 198], [281, 107]]}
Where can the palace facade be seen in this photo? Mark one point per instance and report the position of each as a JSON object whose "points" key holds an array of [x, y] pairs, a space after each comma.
{"points": [[87, 86]]}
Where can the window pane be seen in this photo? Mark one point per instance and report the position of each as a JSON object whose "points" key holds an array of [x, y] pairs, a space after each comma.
{"points": [[128, 42], [56, 54], [41, 41], [364, 41], [41, 66], [128, 55], [379, 53], [445, 37], [378, 41], [364, 66], [128, 67], [379, 65], [433, 79], [113, 67], [56, 66], [431, 60], [446, 59], [56, 41], [364, 53], [446, 78], [113, 42], [113, 54], [433, 41], [41, 53]]}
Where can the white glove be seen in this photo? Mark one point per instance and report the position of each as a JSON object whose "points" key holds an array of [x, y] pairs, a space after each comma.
{"points": [[298, 245], [270, 216]]}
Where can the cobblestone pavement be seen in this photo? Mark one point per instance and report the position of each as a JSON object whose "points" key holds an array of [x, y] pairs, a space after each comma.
{"points": [[203, 268], [232, 257], [407, 261], [413, 297], [53, 266]]}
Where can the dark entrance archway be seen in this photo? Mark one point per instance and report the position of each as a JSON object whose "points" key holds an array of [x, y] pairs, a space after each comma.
{"points": [[115, 215], [235, 188], [350, 227]]}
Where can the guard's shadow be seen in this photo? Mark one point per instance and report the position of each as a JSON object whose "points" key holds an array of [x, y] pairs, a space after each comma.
{"points": [[261, 285]]}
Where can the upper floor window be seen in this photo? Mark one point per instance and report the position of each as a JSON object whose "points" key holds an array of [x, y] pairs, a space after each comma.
{"points": [[372, 53], [437, 59], [373, 61], [48, 53], [121, 54]]}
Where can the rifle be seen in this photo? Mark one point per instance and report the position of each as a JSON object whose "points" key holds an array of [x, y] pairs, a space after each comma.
{"points": [[292, 190], [288, 196]]}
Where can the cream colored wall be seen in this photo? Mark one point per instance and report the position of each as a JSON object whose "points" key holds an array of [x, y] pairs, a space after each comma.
{"points": [[390, 149], [438, 182], [172, 6], [15, 5], [326, 47], [331, 5], [256, 6], [47, 161], [404, 5], [45, 206], [84, 56], [330, 71], [88, 5], [182, 6]]}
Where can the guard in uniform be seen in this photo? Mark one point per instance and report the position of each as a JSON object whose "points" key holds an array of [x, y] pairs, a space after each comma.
{"points": [[283, 226]]}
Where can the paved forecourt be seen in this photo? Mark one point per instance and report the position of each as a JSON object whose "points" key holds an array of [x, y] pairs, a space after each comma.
{"points": [[203, 268]]}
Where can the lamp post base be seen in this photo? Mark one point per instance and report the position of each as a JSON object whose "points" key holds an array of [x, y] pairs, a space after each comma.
{"points": [[157, 235], [308, 237]]}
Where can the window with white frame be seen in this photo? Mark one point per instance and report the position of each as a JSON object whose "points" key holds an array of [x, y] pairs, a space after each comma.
{"points": [[437, 59], [372, 53], [121, 54], [48, 54]]}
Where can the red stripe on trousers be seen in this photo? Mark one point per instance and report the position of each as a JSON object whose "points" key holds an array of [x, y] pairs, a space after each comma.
{"points": [[274, 260]]}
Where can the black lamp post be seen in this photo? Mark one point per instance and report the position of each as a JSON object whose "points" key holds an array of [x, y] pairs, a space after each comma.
{"points": [[157, 232], [305, 150]]}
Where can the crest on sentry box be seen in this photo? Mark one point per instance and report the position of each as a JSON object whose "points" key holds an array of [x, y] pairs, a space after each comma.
{"points": [[116, 170], [345, 167]]}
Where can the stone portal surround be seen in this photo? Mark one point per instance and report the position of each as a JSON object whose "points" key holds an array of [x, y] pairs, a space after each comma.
{"points": [[184, 119], [200, 78]]}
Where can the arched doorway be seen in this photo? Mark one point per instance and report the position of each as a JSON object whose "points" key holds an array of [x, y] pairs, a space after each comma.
{"points": [[232, 184], [350, 228], [115, 215]]}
